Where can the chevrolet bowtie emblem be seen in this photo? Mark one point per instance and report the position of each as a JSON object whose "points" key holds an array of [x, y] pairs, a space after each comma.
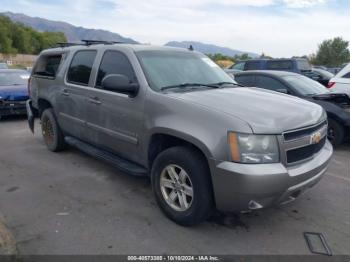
{"points": [[316, 138]]}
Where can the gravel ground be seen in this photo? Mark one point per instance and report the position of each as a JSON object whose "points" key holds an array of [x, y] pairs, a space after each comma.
{"points": [[69, 203]]}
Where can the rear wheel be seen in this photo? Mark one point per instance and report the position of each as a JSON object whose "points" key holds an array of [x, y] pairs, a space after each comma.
{"points": [[181, 184], [51, 131], [336, 132]]}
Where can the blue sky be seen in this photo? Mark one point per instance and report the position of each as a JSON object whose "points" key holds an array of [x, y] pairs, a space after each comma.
{"points": [[279, 28]]}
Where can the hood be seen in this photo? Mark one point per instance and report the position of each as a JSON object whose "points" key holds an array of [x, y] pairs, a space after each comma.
{"points": [[341, 100], [14, 93], [266, 112]]}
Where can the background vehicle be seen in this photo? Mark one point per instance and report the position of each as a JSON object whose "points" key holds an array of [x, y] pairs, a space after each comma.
{"points": [[341, 82], [336, 105], [296, 65], [13, 92], [320, 75], [175, 115], [3, 66]]}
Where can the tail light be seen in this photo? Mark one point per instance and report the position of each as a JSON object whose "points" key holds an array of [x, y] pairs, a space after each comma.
{"points": [[330, 84], [29, 82]]}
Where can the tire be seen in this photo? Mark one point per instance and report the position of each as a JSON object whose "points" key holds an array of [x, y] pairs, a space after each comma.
{"points": [[200, 205], [336, 132], [52, 134]]}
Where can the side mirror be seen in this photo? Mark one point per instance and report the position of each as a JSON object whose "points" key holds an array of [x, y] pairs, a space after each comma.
{"points": [[283, 90], [119, 83]]}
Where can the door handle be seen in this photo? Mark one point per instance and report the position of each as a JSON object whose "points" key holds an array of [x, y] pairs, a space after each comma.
{"points": [[65, 92], [95, 100]]}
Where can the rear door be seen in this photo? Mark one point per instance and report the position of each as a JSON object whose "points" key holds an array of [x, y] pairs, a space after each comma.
{"points": [[114, 119], [72, 99]]}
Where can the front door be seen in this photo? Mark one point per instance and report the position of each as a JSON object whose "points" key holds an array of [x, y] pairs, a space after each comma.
{"points": [[115, 119]]}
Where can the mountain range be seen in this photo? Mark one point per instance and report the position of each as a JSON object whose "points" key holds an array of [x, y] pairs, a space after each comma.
{"points": [[209, 48], [76, 33]]}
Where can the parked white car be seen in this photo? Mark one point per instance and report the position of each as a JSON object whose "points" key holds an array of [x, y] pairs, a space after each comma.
{"points": [[341, 82]]}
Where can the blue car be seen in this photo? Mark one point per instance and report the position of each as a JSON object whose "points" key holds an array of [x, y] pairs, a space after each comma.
{"points": [[13, 92]]}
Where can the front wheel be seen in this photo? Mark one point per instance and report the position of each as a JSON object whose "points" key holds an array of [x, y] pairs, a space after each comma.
{"points": [[181, 184], [336, 133]]}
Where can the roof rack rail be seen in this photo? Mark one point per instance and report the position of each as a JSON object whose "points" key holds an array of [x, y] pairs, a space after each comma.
{"points": [[66, 44], [97, 42]]}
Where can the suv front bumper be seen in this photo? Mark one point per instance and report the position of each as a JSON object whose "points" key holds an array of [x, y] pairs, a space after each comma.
{"points": [[241, 187]]}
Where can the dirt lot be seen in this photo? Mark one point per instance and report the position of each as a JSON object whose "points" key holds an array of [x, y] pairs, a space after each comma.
{"points": [[69, 203]]}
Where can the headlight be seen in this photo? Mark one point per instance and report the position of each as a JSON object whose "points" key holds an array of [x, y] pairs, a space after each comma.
{"points": [[253, 149]]}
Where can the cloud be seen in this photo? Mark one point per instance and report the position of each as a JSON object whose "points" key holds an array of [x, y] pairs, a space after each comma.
{"points": [[277, 27], [302, 3]]}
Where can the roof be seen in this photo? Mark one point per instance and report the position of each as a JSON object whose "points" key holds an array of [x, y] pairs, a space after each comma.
{"points": [[134, 47]]}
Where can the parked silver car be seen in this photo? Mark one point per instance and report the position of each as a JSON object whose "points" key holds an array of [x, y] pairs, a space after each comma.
{"points": [[176, 116]]}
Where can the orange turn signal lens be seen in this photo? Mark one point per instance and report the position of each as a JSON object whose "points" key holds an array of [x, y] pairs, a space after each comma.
{"points": [[234, 148]]}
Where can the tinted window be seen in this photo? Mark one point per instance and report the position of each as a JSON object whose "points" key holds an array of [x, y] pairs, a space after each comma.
{"points": [[48, 65], [279, 65], [252, 65], [347, 75], [269, 83], [239, 66], [246, 80], [114, 62], [80, 68]]}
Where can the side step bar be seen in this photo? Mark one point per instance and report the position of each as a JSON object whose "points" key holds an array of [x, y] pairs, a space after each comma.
{"points": [[116, 161]]}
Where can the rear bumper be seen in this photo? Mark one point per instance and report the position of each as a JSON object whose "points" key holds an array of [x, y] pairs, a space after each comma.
{"points": [[8, 108], [30, 114], [239, 187]]}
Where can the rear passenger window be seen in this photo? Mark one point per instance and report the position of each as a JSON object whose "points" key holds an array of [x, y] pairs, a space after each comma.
{"points": [[80, 69], [252, 65], [114, 62], [47, 65], [245, 80], [279, 65]]}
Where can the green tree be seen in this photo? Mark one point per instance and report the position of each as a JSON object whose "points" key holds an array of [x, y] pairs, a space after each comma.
{"points": [[18, 38], [332, 53]]}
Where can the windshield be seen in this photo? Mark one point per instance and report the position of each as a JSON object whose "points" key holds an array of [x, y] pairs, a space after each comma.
{"points": [[305, 86], [175, 68], [13, 79]]}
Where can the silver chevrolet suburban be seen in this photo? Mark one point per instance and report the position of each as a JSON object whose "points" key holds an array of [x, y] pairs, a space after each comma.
{"points": [[174, 115]]}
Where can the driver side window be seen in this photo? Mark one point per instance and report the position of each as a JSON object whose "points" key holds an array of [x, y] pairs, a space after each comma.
{"points": [[115, 62]]}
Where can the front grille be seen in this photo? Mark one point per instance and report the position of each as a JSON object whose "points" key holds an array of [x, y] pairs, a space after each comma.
{"points": [[300, 154], [12, 108], [304, 143], [288, 136]]}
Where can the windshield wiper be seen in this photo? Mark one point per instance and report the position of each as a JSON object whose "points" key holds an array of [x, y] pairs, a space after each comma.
{"points": [[187, 85], [227, 83]]}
